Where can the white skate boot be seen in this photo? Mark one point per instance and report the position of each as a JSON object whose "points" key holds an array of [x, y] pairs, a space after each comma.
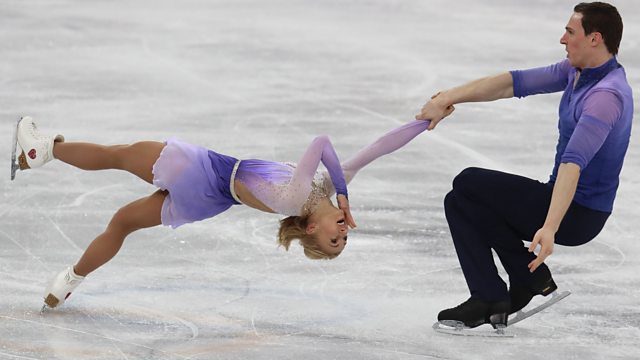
{"points": [[37, 148], [61, 287]]}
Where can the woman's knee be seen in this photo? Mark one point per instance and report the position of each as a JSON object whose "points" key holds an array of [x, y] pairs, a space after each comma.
{"points": [[123, 221], [118, 154]]}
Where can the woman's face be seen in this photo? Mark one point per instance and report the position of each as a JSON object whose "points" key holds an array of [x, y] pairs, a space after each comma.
{"points": [[330, 231]]}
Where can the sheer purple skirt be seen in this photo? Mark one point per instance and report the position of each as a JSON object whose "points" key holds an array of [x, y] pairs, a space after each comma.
{"points": [[198, 182]]}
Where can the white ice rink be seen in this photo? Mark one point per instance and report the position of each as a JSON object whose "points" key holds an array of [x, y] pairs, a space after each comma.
{"points": [[255, 78]]}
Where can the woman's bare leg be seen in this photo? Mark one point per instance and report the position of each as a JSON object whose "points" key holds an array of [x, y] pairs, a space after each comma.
{"points": [[140, 214], [137, 158]]}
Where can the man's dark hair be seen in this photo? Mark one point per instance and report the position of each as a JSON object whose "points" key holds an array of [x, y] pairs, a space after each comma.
{"points": [[603, 18]]}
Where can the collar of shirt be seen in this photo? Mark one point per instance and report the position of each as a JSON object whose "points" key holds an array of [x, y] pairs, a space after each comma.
{"points": [[593, 75]]}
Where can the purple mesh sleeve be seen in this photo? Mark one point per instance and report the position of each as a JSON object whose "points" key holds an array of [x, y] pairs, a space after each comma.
{"points": [[386, 144], [601, 110], [320, 149], [542, 80]]}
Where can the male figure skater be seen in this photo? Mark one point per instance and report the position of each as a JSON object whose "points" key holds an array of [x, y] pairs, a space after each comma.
{"points": [[488, 209]]}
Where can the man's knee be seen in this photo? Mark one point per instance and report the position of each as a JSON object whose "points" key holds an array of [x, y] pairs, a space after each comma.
{"points": [[467, 180], [449, 200]]}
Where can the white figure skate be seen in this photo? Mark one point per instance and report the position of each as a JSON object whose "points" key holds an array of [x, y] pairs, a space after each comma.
{"points": [[36, 148], [61, 287]]}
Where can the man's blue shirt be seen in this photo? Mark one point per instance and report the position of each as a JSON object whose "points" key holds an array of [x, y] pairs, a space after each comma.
{"points": [[595, 117]]}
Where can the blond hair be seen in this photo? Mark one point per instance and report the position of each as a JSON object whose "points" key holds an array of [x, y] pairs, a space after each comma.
{"points": [[295, 227]]}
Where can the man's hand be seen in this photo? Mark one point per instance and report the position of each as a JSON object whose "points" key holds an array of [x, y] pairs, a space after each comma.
{"points": [[545, 238], [343, 204], [435, 110]]}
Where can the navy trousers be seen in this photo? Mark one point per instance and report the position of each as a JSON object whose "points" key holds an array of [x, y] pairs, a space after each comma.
{"points": [[489, 209]]}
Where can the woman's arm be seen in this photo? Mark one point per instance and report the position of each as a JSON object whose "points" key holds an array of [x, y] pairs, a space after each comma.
{"points": [[320, 150], [386, 144]]}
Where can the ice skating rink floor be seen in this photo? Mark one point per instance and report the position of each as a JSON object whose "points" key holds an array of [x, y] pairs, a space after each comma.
{"points": [[261, 79]]}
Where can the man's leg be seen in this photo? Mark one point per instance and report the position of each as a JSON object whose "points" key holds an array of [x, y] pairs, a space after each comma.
{"points": [[500, 210], [476, 228], [473, 250], [507, 209]]}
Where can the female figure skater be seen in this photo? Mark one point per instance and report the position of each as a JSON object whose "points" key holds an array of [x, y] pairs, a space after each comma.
{"points": [[195, 183]]}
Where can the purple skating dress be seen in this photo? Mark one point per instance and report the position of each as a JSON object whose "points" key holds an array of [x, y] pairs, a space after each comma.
{"points": [[200, 181]]}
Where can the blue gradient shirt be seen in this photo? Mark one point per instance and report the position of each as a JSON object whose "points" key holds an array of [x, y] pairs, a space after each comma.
{"points": [[595, 113]]}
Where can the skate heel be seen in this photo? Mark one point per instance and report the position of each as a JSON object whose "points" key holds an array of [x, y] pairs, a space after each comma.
{"points": [[61, 287], [499, 320], [22, 162], [549, 287], [51, 301]]}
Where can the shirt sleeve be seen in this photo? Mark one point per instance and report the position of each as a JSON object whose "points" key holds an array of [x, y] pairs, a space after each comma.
{"points": [[542, 80], [386, 144], [600, 112]]}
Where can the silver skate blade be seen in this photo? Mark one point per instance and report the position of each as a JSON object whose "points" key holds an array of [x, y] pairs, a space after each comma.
{"points": [[555, 297], [44, 307], [458, 328], [14, 164]]}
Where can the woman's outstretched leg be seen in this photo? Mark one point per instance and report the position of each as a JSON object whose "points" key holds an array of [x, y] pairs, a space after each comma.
{"points": [[137, 158], [140, 214], [37, 149]]}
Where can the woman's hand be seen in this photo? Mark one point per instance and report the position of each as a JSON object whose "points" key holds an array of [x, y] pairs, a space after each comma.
{"points": [[545, 238], [343, 204]]}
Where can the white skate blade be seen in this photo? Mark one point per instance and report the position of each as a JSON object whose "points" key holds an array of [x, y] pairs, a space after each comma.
{"points": [[521, 315], [14, 164], [481, 331]]}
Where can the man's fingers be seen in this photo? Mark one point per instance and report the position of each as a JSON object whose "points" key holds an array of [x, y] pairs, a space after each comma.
{"points": [[536, 262], [449, 110], [542, 256], [534, 265]]}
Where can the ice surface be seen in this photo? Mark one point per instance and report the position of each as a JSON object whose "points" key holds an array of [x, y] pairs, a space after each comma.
{"points": [[261, 79]]}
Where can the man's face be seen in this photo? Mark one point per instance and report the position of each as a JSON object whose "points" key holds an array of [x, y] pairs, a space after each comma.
{"points": [[576, 43]]}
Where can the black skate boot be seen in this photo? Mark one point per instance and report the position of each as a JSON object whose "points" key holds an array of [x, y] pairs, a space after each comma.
{"points": [[521, 295], [475, 312]]}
